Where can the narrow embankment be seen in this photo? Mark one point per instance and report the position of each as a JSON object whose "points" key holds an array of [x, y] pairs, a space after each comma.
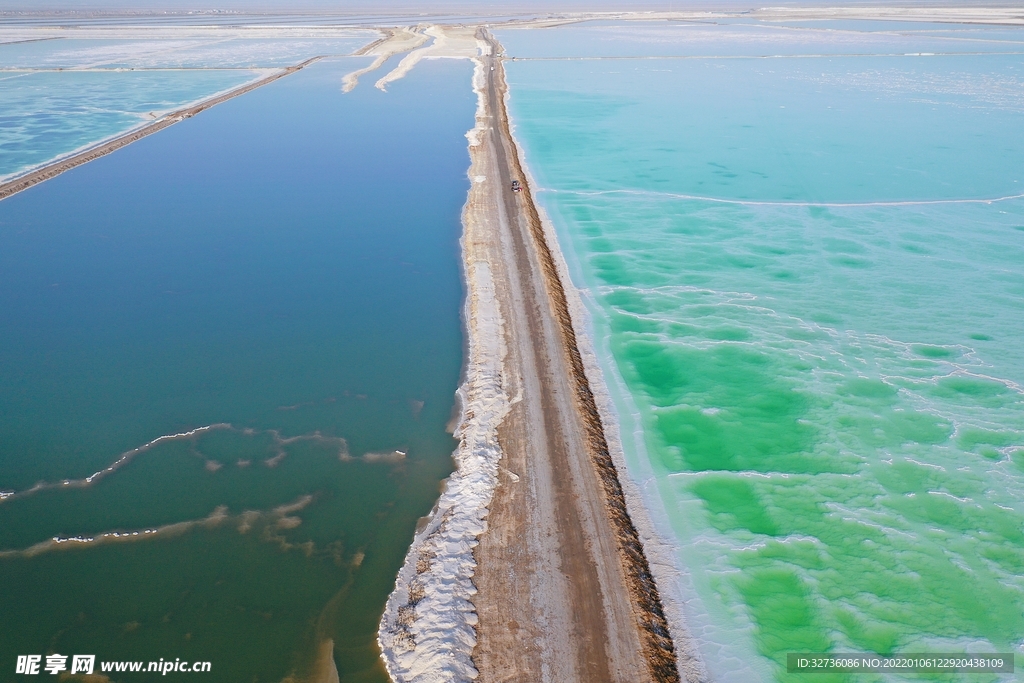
{"points": [[655, 640]]}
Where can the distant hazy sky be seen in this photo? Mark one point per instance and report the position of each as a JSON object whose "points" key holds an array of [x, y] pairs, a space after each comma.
{"points": [[474, 6], [363, 5]]}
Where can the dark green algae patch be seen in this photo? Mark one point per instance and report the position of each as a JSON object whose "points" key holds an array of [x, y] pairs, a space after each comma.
{"points": [[776, 464], [286, 265], [811, 578]]}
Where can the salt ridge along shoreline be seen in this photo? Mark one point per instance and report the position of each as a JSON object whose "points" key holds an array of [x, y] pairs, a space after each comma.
{"points": [[427, 632]]}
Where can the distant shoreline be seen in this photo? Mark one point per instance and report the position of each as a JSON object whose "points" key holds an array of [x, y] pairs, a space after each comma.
{"points": [[55, 168]]}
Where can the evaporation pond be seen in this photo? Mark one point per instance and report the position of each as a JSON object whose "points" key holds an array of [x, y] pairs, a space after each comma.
{"points": [[253, 316], [806, 292]]}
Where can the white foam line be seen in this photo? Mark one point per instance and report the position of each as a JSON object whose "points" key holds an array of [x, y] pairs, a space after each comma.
{"points": [[891, 33], [747, 202], [960, 371], [754, 474], [117, 464], [215, 518], [938, 34], [127, 456], [950, 495]]}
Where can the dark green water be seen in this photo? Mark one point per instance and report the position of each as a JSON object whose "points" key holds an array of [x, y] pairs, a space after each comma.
{"points": [[286, 264]]}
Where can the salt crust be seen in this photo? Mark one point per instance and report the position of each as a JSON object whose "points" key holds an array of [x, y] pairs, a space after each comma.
{"points": [[448, 42]]}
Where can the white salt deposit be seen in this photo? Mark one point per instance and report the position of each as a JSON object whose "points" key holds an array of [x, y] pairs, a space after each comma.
{"points": [[427, 632]]}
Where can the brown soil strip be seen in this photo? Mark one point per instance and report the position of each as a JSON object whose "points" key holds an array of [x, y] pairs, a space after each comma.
{"points": [[598, 615], [56, 168], [29, 40]]}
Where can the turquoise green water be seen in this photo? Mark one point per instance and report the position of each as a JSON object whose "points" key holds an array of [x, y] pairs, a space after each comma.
{"points": [[260, 307], [812, 341]]}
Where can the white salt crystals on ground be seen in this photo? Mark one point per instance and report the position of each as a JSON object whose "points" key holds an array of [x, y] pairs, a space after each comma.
{"points": [[427, 632]]}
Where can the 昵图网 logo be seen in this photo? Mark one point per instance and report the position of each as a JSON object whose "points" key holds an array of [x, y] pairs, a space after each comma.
{"points": [[55, 664], [32, 665]]}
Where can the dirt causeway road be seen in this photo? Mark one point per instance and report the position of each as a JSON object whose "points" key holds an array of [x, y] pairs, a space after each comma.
{"points": [[564, 590]]}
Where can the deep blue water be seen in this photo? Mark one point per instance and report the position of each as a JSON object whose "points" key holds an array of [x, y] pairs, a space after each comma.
{"points": [[286, 261]]}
